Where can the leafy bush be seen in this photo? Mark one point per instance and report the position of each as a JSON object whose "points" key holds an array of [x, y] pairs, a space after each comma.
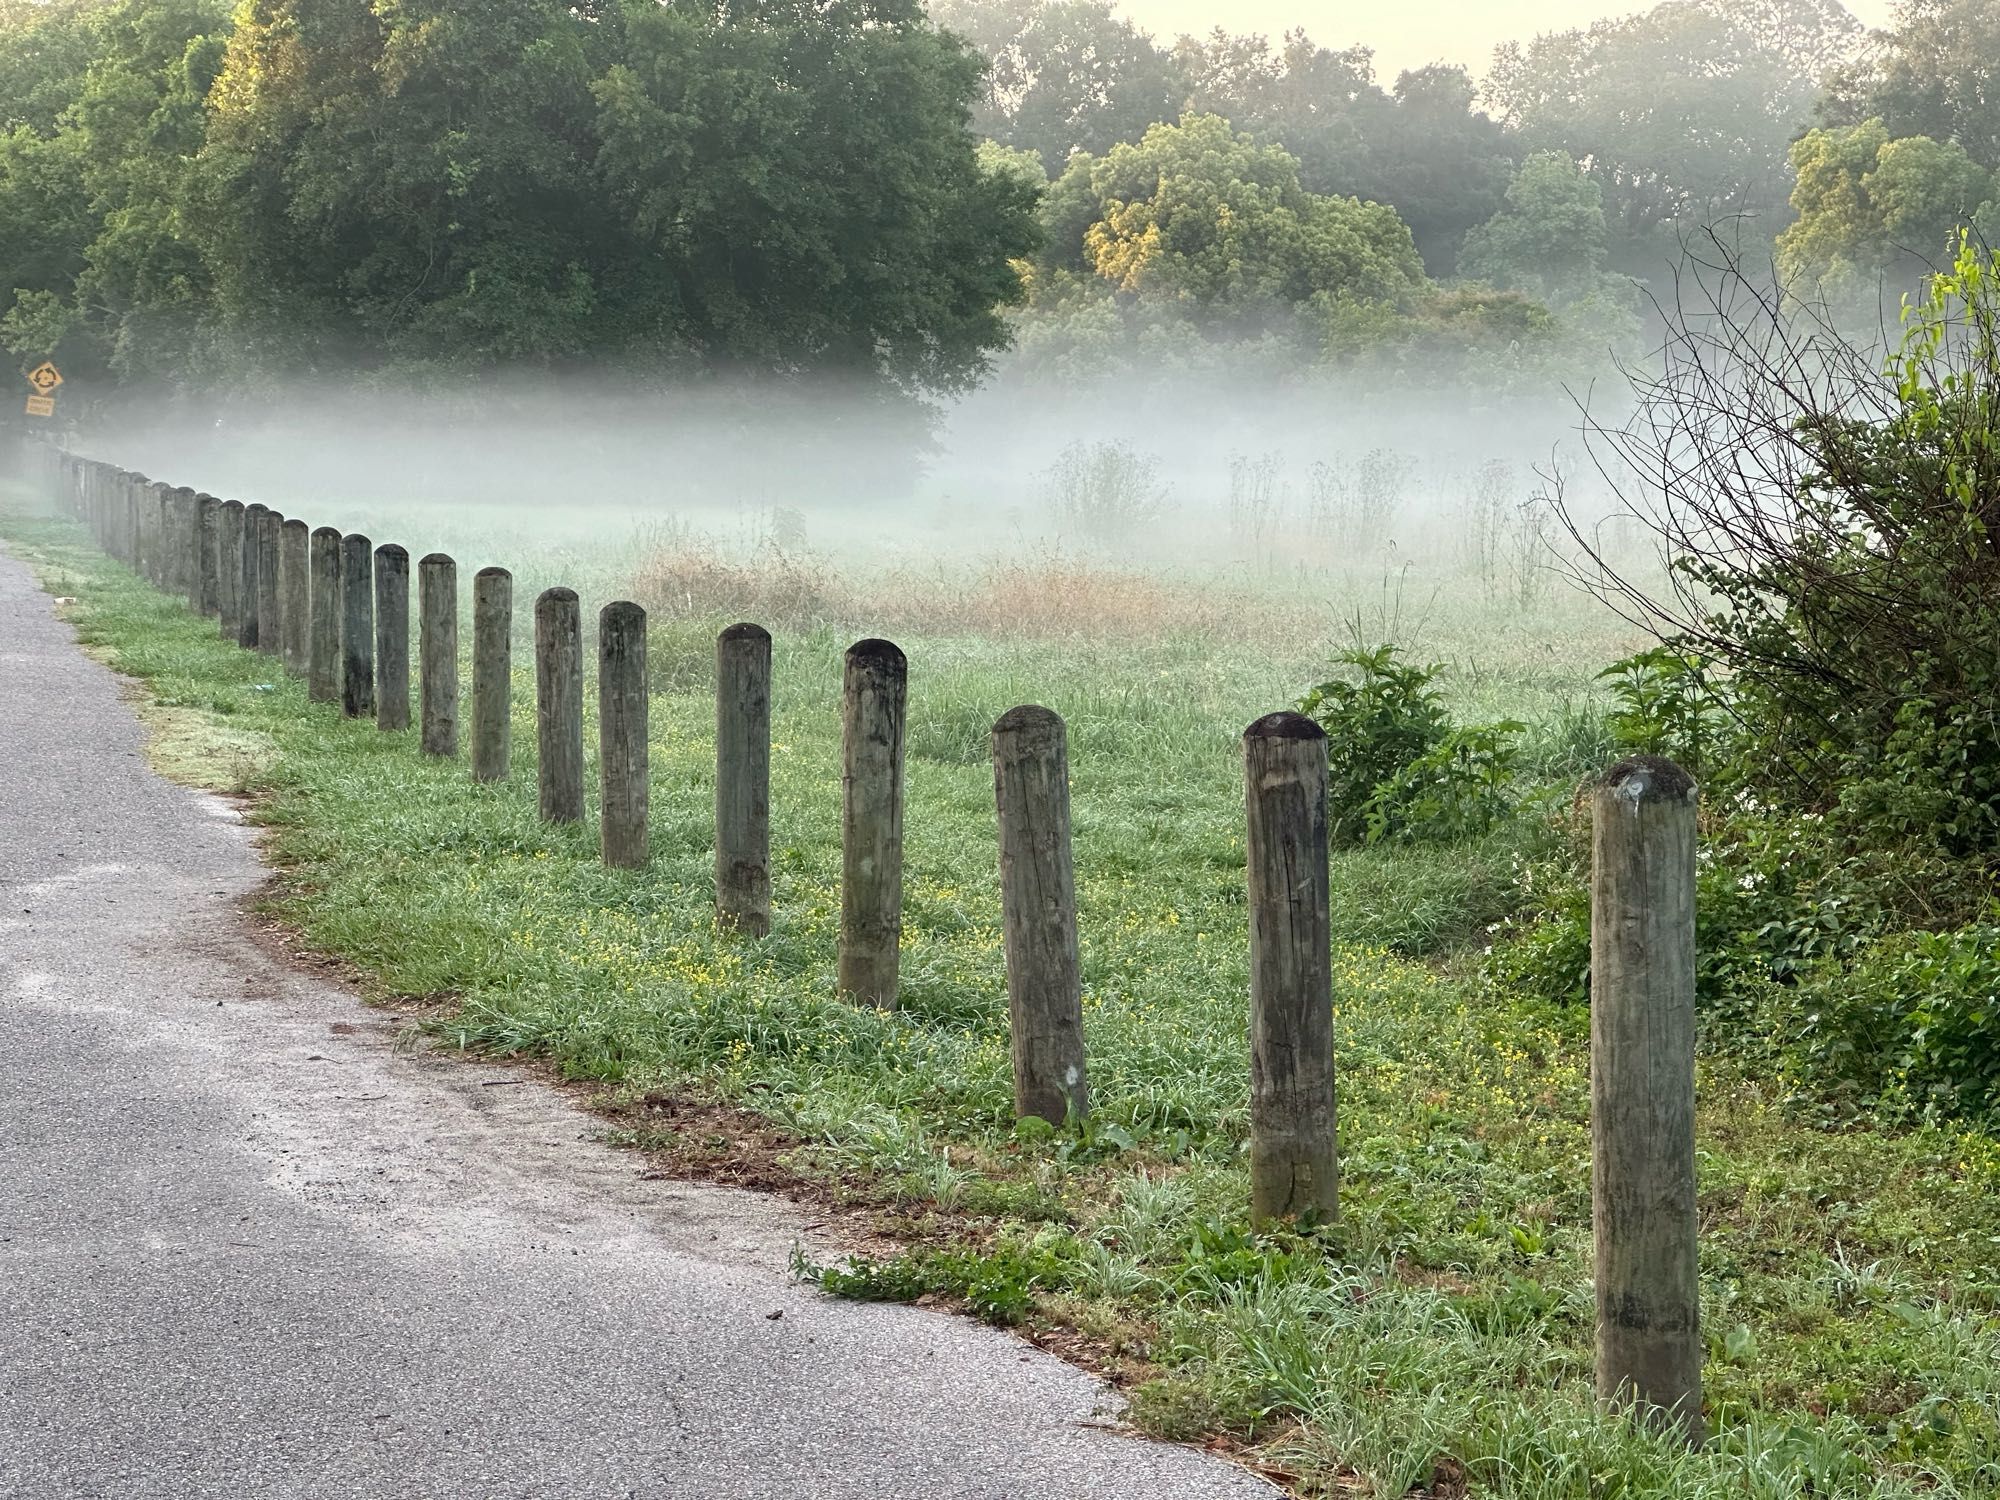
{"points": [[1666, 705], [1400, 768], [1914, 1023]]}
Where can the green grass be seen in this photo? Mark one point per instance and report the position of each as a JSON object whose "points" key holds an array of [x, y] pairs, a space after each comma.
{"points": [[1850, 1283]]}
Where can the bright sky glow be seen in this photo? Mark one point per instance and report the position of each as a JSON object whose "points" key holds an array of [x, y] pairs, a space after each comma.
{"points": [[1405, 33]]}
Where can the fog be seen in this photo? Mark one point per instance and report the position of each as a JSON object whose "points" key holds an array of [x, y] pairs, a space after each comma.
{"points": [[1189, 474]]}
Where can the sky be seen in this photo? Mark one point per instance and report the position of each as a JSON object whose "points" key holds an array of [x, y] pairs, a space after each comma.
{"points": [[1405, 33]]}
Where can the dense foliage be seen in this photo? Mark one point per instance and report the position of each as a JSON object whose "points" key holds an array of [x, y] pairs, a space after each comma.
{"points": [[771, 188]]}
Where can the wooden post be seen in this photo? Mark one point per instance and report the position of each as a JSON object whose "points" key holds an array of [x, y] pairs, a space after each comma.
{"points": [[559, 704], [1642, 958], [229, 528], [208, 523], [871, 822], [622, 730], [145, 527], [173, 569], [392, 637], [743, 779], [295, 597], [323, 670], [247, 563], [437, 632], [270, 621], [1294, 1164], [1038, 915], [492, 673], [357, 627]]}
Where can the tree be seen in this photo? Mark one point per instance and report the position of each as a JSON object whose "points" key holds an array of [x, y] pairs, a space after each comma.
{"points": [[1549, 240], [1198, 213], [1064, 75], [1935, 73], [1873, 210], [1682, 114]]}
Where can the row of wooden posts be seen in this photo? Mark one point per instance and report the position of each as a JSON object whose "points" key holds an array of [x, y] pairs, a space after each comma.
{"points": [[334, 609]]}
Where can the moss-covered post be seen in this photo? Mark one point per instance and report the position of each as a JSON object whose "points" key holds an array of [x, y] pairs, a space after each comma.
{"points": [[1038, 915], [295, 596], [559, 705], [492, 673], [1642, 958], [1294, 1164], [622, 730], [229, 529], [743, 779], [437, 653], [392, 637], [323, 672], [357, 627], [875, 689]]}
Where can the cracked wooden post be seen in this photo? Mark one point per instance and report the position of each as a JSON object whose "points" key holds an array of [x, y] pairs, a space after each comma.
{"points": [[492, 673], [622, 730], [323, 669], [743, 779], [270, 618], [248, 557], [1038, 915], [229, 528], [871, 822], [357, 627], [295, 597], [559, 705], [392, 637], [1642, 955], [1294, 1162], [437, 653], [208, 541]]}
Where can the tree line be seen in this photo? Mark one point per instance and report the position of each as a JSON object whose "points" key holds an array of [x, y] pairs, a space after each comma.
{"points": [[194, 192]]}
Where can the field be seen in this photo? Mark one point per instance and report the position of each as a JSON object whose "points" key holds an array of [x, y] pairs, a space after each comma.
{"points": [[1438, 1338]]}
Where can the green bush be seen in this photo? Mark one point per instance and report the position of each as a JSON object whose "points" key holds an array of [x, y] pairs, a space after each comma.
{"points": [[1400, 768]]}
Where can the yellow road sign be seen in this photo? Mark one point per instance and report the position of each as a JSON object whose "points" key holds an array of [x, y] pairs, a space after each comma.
{"points": [[41, 406], [45, 377]]}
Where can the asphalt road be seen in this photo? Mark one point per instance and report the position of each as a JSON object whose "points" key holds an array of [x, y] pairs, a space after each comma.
{"points": [[248, 1247]]}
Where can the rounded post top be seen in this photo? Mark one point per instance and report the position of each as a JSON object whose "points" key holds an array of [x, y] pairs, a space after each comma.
{"points": [[236, 505], [1027, 719], [555, 597], [621, 614], [1648, 778], [494, 574], [1284, 726], [326, 533], [392, 552], [437, 560], [744, 632], [878, 653], [255, 508], [295, 524]]}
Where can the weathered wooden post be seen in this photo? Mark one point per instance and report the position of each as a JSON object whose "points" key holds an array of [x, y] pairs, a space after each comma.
{"points": [[247, 564], [622, 729], [295, 596], [873, 696], [357, 627], [743, 779], [392, 637], [492, 673], [270, 621], [1038, 915], [1294, 1162], [437, 652], [145, 527], [208, 535], [323, 670], [229, 568], [173, 538], [559, 704], [1642, 958]]}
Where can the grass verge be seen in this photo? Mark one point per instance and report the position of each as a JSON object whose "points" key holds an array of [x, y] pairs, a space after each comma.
{"points": [[1437, 1339]]}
